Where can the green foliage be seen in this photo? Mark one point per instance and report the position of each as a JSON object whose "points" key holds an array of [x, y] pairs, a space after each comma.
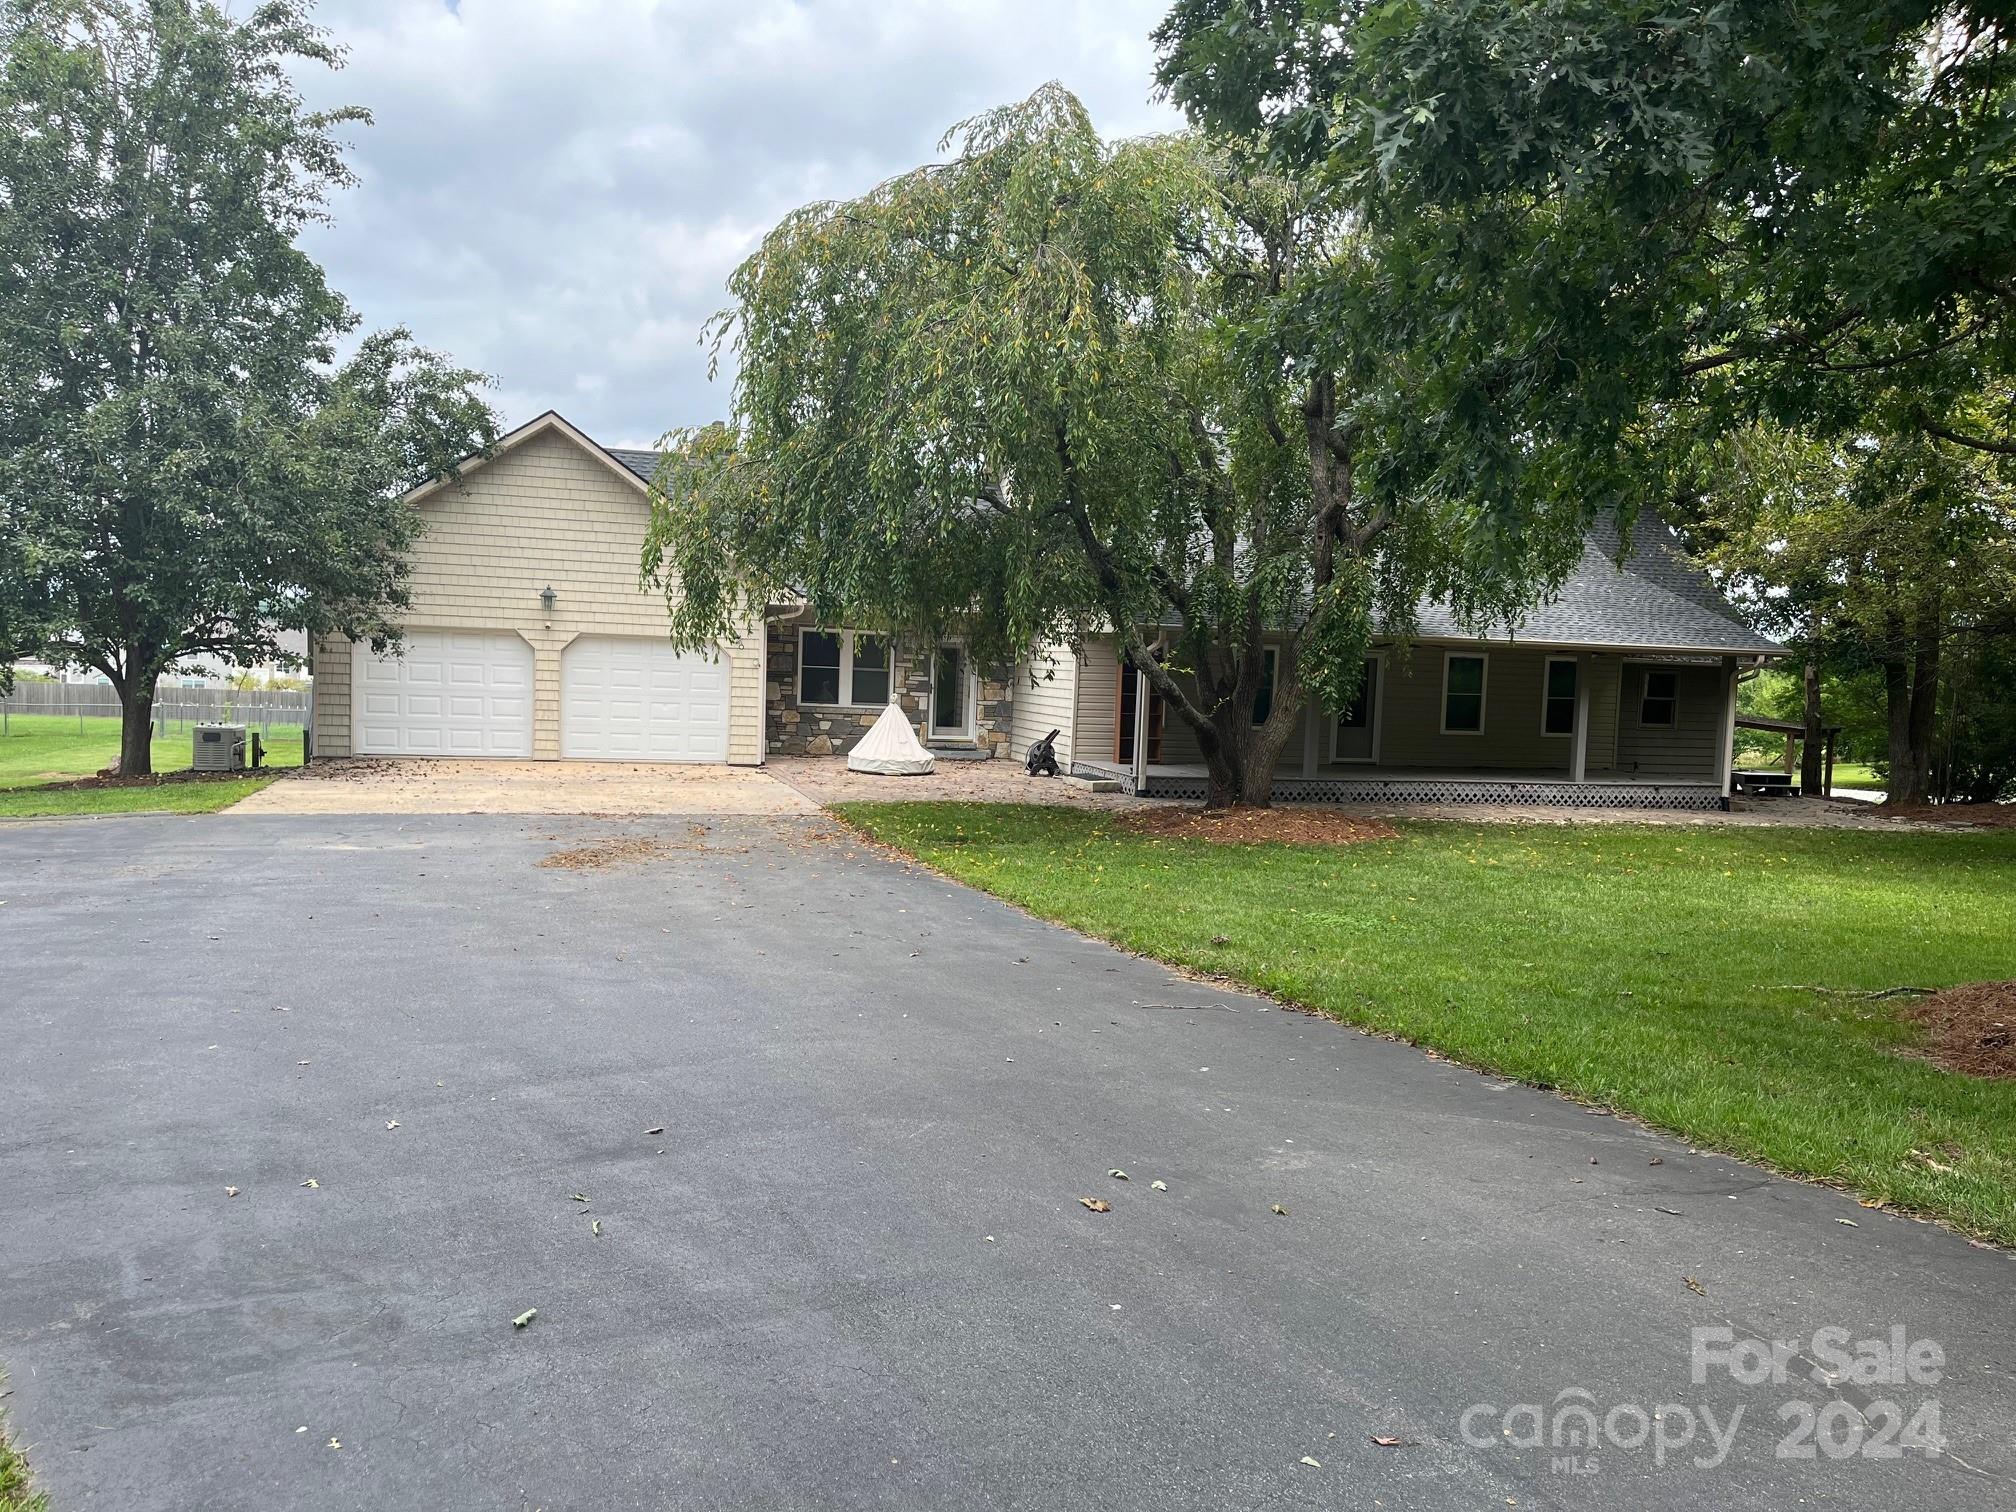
{"points": [[184, 469], [1974, 739], [1893, 559], [16, 1492], [1619, 963], [1851, 696], [1609, 215], [1053, 386]]}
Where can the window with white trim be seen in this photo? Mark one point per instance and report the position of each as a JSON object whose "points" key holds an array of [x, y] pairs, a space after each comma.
{"points": [[843, 667], [1463, 693], [1557, 705], [1263, 699], [1660, 705]]}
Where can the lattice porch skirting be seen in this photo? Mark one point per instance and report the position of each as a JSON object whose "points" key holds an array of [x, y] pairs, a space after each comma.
{"points": [[1452, 790]]}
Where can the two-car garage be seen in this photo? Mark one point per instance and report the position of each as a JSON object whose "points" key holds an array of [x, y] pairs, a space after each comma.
{"points": [[527, 634], [471, 693]]}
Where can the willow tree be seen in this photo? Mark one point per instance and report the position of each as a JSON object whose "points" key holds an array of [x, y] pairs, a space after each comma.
{"points": [[1053, 387]]}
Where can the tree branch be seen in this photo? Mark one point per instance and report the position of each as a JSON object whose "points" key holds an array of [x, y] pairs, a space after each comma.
{"points": [[1976, 443]]}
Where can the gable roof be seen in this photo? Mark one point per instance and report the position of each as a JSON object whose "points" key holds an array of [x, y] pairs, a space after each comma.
{"points": [[549, 423], [1655, 600], [642, 463]]}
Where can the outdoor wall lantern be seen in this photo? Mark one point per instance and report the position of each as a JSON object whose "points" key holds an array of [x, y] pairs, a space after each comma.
{"points": [[546, 597]]}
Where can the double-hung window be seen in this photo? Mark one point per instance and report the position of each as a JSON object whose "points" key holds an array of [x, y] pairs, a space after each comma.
{"points": [[1263, 698], [1463, 693], [1557, 713], [1661, 703], [843, 667]]}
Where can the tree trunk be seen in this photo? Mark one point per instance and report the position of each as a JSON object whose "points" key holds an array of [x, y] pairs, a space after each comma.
{"points": [[1239, 763], [136, 729], [1911, 689], [1925, 704], [1812, 752], [1906, 783]]}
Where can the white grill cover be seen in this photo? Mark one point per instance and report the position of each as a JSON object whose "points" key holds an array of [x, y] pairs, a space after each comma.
{"points": [[890, 748]]}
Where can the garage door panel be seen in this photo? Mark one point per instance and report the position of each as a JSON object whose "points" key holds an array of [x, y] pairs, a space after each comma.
{"points": [[639, 700], [461, 693]]}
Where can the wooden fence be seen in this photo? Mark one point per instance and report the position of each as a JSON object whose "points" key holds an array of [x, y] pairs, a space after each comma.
{"points": [[175, 707]]}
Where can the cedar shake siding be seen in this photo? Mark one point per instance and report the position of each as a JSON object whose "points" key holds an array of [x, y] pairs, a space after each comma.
{"points": [[548, 508]]}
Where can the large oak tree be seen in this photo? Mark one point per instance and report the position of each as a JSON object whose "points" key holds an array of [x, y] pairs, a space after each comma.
{"points": [[186, 468]]}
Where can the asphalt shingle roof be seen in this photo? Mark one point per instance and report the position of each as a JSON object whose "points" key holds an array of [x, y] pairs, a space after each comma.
{"points": [[1657, 599], [642, 463]]}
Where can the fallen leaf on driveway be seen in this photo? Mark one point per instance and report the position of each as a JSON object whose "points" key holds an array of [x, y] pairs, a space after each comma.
{"points": [[659, 1130], [1313, 1464], [595, 1227], [311, 1182], [1278, 1210], [391, 1123], [1096, 1204], [1657, 1160], [1119, 1175], [1849, 1222], [1695, 1286], [577, 1197], [1158, 1186], [1387, 1443], [525, 1317], [230, 1191], [335, 1443], [1670, 1212]]}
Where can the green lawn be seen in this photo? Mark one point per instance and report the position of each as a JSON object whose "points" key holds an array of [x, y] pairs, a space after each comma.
{"points": [[15, 1495], [1853, 774], [39, 751], [1659, 971]]}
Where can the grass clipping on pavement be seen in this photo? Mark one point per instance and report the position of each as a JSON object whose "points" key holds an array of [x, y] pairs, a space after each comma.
{"points": [[1715, 981]]}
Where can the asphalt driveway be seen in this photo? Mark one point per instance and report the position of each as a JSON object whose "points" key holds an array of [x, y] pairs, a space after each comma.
{"points": [[833, 1116]]}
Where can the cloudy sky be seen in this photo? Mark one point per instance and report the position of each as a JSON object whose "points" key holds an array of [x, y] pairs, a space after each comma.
{"points": [[555, 191]]}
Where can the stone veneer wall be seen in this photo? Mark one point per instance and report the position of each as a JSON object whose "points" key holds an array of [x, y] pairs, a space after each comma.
{"points": [[792, 731]]}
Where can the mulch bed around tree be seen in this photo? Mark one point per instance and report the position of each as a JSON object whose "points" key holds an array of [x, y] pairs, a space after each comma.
{"points": [[1971, 1028], [1250, 826], [152, 779]]}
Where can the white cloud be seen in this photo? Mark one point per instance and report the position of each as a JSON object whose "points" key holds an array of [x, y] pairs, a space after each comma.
{"points": [[556, 190]]}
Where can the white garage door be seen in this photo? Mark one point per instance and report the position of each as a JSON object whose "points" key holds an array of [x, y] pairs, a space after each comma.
{"points": [[625, 699], [453, 693]]}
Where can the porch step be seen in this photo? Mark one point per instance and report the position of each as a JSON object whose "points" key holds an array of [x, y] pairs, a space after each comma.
{"points": [[1093, 784]]}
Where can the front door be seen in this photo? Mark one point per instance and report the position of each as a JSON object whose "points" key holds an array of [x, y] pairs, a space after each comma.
{"points": [[1123, 748], [951, 698], [1357, 727]]}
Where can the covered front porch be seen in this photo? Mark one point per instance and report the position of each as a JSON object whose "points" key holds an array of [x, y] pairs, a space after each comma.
{"points": [[1646, 790], [1453, 724]]}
